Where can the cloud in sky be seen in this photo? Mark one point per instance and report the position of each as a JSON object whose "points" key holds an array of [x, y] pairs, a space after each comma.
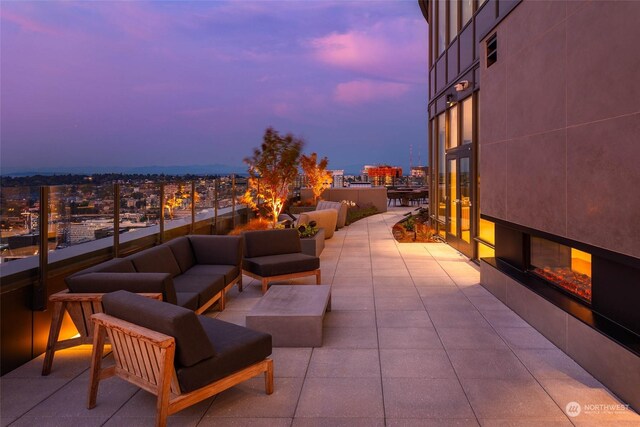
{"points": [[139, 83]]}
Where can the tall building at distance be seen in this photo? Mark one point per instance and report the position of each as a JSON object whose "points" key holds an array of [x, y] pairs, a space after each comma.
{"points": [[534, 117]]}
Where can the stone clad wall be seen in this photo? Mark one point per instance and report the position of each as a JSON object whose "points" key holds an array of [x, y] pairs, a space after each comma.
{"points": [[560, 119], [376, 196]]}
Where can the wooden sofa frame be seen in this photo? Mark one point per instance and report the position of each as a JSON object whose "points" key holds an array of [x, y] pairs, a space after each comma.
{"points": [[266, 280], [146, 358]]}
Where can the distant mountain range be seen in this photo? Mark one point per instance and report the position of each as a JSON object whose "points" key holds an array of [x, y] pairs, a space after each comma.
{"points": [[214, 169]]}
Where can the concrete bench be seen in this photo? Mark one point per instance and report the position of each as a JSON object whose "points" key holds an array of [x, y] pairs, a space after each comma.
{"points": [[292, 314]]}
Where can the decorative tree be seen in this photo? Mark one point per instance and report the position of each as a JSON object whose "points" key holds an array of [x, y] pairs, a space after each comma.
{"points": [[272, 169], [318, 178]]}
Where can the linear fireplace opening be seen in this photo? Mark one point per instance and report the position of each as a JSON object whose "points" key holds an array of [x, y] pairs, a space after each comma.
{"points": [[565, 267]]}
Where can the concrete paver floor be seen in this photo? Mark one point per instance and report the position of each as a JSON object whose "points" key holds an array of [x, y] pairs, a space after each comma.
{"points": [[413, 340]]}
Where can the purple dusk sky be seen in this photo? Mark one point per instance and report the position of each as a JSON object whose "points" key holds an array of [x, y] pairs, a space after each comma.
{"points": [[134, 83]]}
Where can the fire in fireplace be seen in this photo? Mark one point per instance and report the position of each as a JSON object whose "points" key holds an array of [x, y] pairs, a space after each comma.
{"points": [[563, 266]]}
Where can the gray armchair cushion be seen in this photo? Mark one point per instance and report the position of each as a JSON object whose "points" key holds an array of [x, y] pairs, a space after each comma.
{"points": [[276, 265], [270, 242], [236, 348], [192, 342], [132, 282], [205, 286], [115, 265], [158, 259], [226, 250], [188, 300], [229, 272], [183, 253]]}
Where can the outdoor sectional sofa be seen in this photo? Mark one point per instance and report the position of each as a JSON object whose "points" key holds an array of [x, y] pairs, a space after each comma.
{"points": [[193, 272]]}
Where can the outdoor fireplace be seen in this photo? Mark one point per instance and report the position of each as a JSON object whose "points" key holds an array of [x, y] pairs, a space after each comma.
{"points": [[565, 267]]}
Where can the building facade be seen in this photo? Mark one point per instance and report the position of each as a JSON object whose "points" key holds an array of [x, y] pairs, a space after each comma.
{"points": [[534, 117]]}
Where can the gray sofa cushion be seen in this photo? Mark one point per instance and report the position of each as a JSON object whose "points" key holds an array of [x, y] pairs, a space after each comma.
{"points": [[229, 272], [236, 348], [132, 282], [192, 343], [115, 265], [205, 286], [275, 265], [225, 250], [270, 242], [188, 300], [183, 253], [158, 259]]}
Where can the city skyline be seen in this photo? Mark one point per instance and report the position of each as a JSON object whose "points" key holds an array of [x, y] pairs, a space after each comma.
{"points": [[137, 84]]}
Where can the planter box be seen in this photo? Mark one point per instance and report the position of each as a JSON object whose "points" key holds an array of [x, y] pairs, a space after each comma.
{"points": [[313, 245]]}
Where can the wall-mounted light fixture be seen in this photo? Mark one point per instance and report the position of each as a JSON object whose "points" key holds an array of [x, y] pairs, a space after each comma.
{"points": [[451, 100], [462, 85]]}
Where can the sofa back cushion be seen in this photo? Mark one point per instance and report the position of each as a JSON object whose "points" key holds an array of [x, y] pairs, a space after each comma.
{"points": [[158, 259], [271, 242], [133, 282], [217, 250], [115, 265], [326, 204], [192, 342], [183, 252]]}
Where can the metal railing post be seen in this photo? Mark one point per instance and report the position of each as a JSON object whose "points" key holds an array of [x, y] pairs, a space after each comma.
{"points": [[233, 201], [116, 220], [162, 203], [193, 206], [39, 296], [215, 205]]}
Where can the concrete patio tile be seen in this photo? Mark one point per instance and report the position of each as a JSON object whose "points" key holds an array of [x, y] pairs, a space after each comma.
{"points": [[423, 272], [338, 422], [486, 303], [396, 291], [488, 364], [476, 291], [249, 400], [525, 338], [245, 422], [598, 405], [67, 364], [61, 421], [504, 319], [403, 318], [528, 422], [350, 338], [551, 363], [341, 397], [290, 362], [392, 281], [71, 400], [352, 291], [470, 338], [443, 317], [415, 363], [19, 395], [466, 281], [351, 303], [509, 399], [420, 281], [425, 398], [398, 303], [392, 272], [419, 338], [352, 282], [344, 363], [441, 291], [434, 422], [452, 302], [351, 272], [347, 318], [143, 404]]}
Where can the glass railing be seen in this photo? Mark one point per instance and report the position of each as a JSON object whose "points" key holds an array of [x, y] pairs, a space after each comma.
{"points": [[90, 214]]}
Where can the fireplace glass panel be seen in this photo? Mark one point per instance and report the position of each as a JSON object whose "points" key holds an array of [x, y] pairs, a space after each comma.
{"points": [[565, 267]]}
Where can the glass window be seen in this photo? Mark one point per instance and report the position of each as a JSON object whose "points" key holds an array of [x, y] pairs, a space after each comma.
{"points": [[452, 141], [487, 231], [467, 120], [467, 11], [442, 25], [441, 172], [453, 20], [485, 251]]}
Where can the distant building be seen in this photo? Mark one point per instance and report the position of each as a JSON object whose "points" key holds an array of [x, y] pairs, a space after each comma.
{"points": [[383, 174], [338, 178]]}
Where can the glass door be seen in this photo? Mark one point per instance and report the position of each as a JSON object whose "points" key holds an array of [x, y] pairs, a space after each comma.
{"points": [[459, 207]]}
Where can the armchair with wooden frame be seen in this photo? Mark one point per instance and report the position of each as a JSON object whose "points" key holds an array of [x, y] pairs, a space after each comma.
{"points": [[171, 352]]}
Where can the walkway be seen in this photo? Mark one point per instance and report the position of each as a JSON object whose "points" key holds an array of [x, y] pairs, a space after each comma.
{"points": [[412, 340]]}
